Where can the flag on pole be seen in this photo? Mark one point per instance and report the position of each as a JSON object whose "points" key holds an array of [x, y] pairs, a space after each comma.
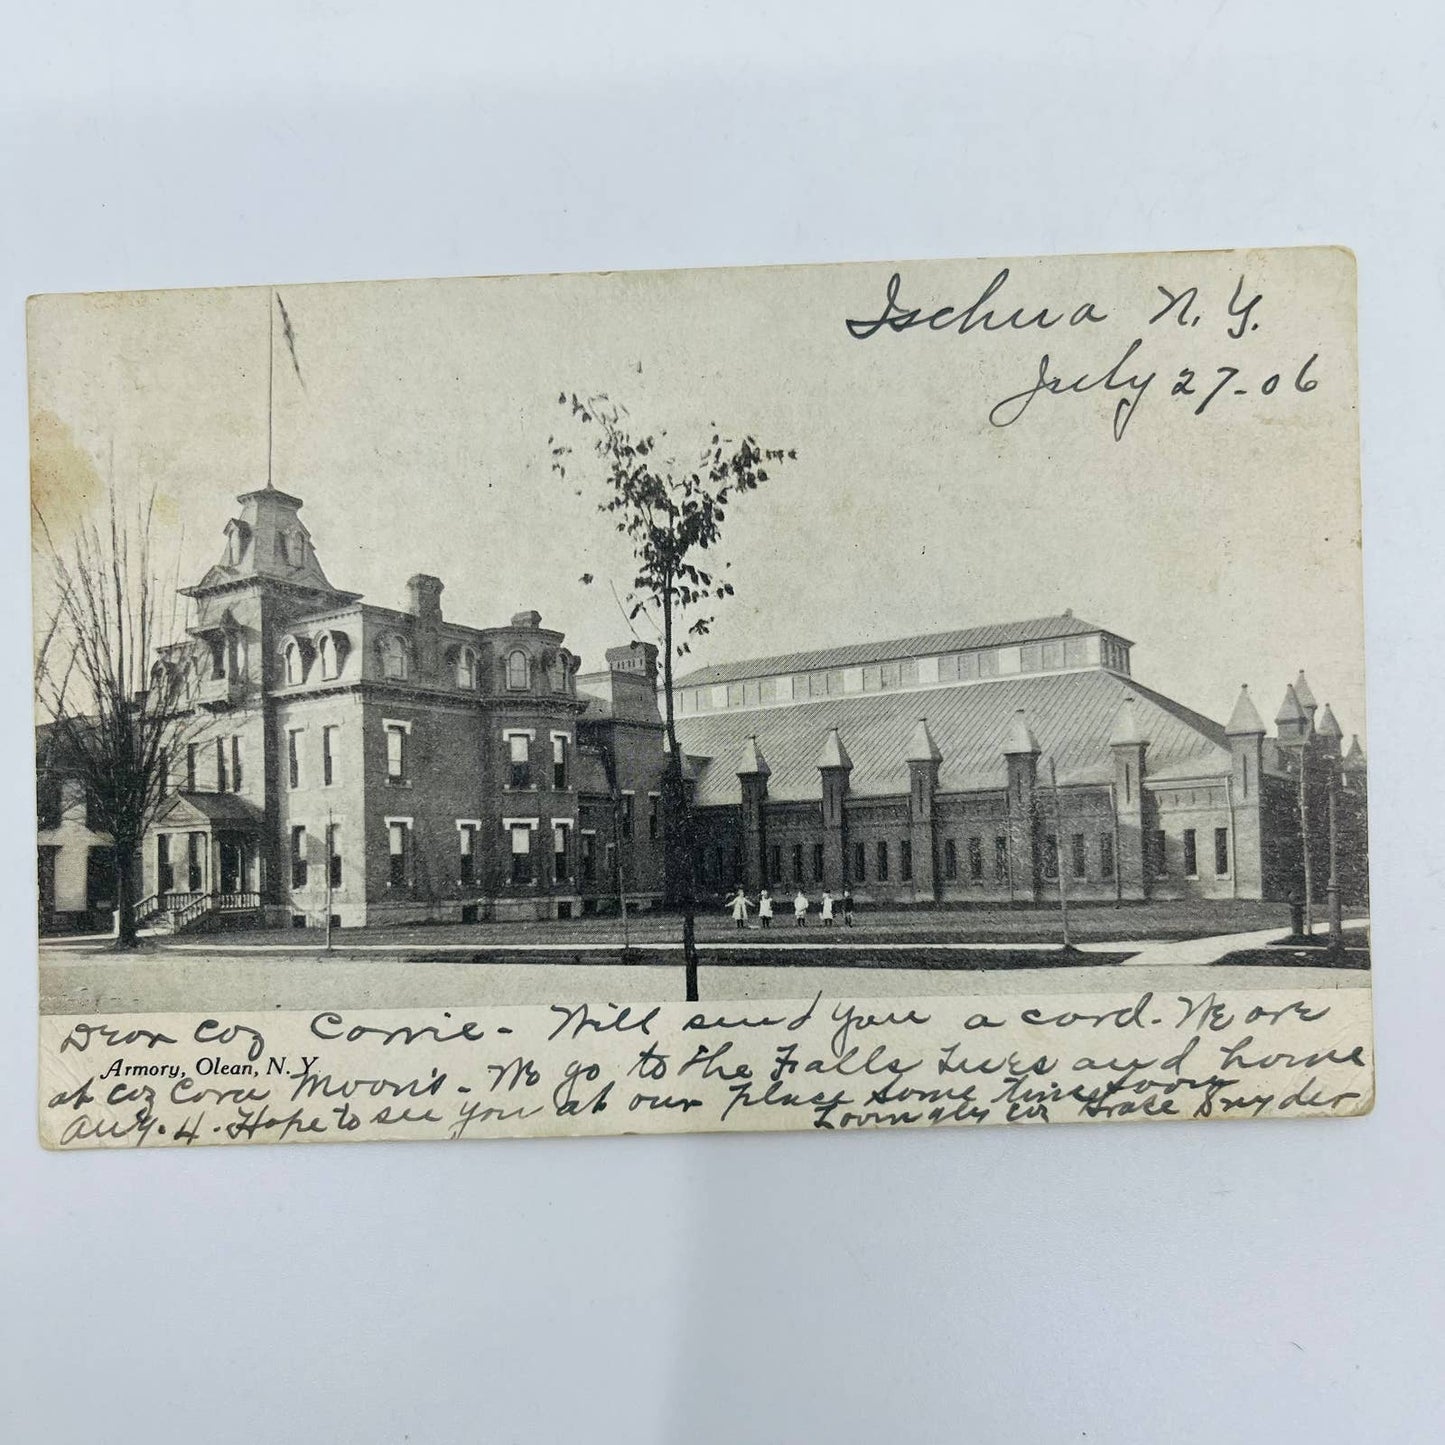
{"points": [[290, 336]]}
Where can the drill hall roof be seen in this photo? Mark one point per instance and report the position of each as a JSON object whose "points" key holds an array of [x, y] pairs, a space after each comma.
{"points": [[1073, 715], [999, 634]]}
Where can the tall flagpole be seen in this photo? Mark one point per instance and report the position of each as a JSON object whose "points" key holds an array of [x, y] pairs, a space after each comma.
{"points": [[270, 380], [329, 845]]}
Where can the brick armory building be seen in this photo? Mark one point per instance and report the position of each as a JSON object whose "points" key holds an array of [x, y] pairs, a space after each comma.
{"points": [[383, 765], [973, 766], [392, 765]]}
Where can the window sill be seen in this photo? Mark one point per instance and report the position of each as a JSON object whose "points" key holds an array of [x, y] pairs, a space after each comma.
{"points": [[398, 782]]}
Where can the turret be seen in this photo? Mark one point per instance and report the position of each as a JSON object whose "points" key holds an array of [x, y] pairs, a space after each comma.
{"points": [[923, 759], [1327, 730], [1305, 697], [1245, 720], [834, 766], [753, 771], [1129, 747], [1245, 731], [1291, 721], [1021, 757]]}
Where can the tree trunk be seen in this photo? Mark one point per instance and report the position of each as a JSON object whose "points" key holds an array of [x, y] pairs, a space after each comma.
{"points": [[680, 812], [125, 895]]}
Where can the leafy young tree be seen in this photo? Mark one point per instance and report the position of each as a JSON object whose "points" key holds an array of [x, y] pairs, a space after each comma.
{"points": [[671, 513], [117, 712]]}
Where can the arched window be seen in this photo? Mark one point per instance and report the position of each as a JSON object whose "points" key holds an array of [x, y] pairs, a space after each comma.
{"points": [[295, 665], [517, 670], [394, 660], [467, 669], [326, 652], [279, 548]]}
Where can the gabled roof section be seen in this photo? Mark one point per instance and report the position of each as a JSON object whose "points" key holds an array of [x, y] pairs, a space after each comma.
{"points": [[203, 808], [1000, 634]]}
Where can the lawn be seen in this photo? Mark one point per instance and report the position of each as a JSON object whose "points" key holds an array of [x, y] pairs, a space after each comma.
{"points": [[1088, 922]]}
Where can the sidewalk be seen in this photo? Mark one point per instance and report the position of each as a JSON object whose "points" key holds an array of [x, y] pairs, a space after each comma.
{"points": [[186, 976]]}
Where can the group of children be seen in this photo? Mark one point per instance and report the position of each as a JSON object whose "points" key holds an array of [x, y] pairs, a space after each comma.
{"points": [[740, 903]]}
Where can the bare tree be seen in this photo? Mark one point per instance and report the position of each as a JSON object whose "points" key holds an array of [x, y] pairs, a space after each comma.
{"points": [[114, 684], [670, 512]]}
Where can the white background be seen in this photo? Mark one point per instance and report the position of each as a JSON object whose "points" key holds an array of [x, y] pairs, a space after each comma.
{"points": [[1278, 1281]]}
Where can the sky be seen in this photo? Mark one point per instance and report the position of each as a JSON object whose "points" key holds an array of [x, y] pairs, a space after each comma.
{"points": [[1220, 534]]}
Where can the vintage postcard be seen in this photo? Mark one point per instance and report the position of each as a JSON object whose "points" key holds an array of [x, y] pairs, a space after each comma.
{"points": [[833, 697]]}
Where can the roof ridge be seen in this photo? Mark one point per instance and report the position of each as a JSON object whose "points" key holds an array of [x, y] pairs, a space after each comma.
{"points": [[1211, 729], [888, 649]]}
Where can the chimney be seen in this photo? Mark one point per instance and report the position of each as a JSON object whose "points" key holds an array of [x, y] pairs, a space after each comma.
{"points": [[527, 619], [424, 597], [636, 657]]}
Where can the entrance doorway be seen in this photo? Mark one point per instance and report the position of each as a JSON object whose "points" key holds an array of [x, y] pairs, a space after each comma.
{"points": [[233, 863], [100, 880]]}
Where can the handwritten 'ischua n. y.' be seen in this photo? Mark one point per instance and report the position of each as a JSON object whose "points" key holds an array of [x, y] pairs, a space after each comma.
{"points": [[1126, 374]]}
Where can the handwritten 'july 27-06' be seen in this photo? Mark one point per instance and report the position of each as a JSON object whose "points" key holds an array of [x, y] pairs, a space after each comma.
{"points": [[1181, 307]]}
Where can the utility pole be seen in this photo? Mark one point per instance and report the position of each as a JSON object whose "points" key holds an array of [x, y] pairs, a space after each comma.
{"points": [[1304, 833], [1059, 853], [330, 844], [1337, 937]]}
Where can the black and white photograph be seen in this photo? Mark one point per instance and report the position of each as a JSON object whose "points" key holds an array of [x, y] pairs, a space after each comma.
{"points": [[727, 635], [604, 642]]}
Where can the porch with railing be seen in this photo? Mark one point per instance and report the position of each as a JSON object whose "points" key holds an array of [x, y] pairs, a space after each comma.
{"points": [[175, 912]]}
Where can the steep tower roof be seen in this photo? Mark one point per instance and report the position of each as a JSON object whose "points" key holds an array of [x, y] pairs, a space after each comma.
{"points": [[1020, 736], [1290, 710], [1355, 756], [1303, 693], [753, 761], [1126, 726], [1327, 727], [1245, 718], [834, 754], [921, 747], [268, 541]]}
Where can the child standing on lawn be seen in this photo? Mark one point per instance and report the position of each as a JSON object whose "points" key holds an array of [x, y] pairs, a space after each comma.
{"points": [[739, 906]]}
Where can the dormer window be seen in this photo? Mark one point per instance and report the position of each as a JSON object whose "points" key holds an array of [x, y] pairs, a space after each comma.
{"points": [[280, 551], [237, 535], [518, 671], [295, 663], [467, 669], [395, 662], [218, 656]]}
